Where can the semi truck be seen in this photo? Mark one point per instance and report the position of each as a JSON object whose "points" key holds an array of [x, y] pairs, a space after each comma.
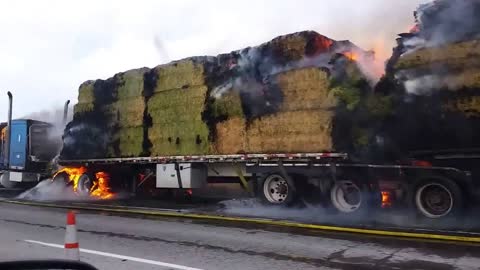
{"points": [[433, 184]]}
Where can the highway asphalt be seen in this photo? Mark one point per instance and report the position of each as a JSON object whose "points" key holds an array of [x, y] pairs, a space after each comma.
{"points": [[121, 242]]}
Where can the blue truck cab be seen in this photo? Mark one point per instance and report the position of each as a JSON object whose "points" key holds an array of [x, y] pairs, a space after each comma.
{"points": [[33, 144]]}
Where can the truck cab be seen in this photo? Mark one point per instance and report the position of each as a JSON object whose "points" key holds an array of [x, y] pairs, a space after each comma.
{"points": [[32, 145]]}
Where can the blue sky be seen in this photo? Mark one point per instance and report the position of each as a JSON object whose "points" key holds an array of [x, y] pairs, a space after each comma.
{"points": [[47, 48]]}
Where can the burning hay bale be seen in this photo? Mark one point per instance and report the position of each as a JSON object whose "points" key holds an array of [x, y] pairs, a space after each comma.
{"points": [[435, 78], [452, 56], [280, 96]]}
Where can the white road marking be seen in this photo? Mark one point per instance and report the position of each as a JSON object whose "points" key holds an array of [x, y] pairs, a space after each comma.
{"points": [[123, 257]]}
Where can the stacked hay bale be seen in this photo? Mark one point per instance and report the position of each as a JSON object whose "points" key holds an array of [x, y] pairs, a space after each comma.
{"points": [[440, 79], [303, 122], [126, 115], [230, 128], [109, 116], [262, 99], [175, 109]]}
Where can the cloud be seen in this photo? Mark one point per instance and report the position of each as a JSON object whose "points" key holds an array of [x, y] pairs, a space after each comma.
{"points": [[47, 48]]}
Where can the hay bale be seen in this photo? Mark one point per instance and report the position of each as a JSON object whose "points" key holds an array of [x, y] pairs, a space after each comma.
{"points": [[130, 141], [177, 105], [125, 113], [181, 138], [454, 54], [467, 79], [130, 84], [86, 92], [296, 131], [227, 106], [466, 105], [305, 89], [180, 74], [80, 109], [230, 136]]}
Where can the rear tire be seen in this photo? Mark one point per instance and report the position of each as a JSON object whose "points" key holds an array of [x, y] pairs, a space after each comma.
{"points": [[85, 183], [275, 189], [351, 198], [437, 198]]}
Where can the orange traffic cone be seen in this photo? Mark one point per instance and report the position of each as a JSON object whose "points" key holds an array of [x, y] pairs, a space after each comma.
{"points": [[72, 251]]}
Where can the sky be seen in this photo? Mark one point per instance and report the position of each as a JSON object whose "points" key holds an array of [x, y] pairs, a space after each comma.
{"points": [[48, 48]]}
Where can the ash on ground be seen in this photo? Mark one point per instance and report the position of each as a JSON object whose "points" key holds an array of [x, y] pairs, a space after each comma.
{"points": [[316, 214]]}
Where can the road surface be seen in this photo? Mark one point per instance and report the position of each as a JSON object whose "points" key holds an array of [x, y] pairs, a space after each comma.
{"points": [[115, 242]]}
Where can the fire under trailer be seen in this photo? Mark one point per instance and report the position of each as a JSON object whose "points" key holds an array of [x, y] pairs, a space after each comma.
{"points": [[437, 186]]}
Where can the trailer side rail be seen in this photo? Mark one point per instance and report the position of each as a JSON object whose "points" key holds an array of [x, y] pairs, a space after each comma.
{"points": [[214, 158]]}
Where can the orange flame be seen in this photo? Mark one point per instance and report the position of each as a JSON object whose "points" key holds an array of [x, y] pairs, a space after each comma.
{"points": [[386, 199], [73, 175], [100, 187], [351, 56]]}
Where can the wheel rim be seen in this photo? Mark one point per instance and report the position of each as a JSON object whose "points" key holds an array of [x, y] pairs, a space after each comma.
{"points": [[275, 189], [434, 200], [84, 185], [346, 196]]}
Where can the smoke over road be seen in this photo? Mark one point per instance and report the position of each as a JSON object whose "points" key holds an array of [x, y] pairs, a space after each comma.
{"points": [[48, 190]]}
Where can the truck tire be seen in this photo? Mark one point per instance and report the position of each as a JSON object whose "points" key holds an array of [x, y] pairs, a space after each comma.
{"points": [[436, 198], [63, 176], [349, 197], [275, 189], [6, 183], [85, 183]]}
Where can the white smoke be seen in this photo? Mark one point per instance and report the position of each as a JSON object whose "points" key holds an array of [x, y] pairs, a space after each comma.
{"points": [[48, 190]]}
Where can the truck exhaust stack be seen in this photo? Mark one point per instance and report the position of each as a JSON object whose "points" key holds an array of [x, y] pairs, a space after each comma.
{"points": [[65, 112], [7, 136]]}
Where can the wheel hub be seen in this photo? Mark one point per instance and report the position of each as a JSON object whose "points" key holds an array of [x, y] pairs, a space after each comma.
{"points": [[275, 189], [346, 196], [434, 200]]}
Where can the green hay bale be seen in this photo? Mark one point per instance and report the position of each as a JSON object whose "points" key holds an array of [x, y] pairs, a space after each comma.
{"points": [[350, 96], [178, 114], [126, 142], [130, 83], [131, 141], [82, 108], [177, 105], [125, 113], [86, 92], [227, 106], [170, 98], [180, 74], [192, 139]]}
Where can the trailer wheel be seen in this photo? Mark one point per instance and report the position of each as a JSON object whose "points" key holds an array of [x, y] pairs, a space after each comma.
{"points": [[85, 183], [437, 198], [7, 183], [348, 197], [275, 189]]}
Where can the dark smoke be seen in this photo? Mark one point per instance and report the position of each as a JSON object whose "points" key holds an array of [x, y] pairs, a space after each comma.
{"points": [[448, 21]]}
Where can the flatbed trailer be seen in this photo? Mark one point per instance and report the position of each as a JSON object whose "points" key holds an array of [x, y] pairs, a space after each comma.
{"points": [[330, 179]]}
